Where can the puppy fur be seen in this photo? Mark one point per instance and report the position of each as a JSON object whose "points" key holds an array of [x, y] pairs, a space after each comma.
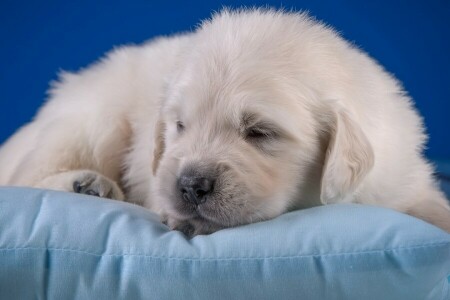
{"points": [[276, 107]]}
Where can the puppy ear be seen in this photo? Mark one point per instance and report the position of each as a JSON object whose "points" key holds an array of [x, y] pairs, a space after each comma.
{"points": [[160, 144], [349, 158]]}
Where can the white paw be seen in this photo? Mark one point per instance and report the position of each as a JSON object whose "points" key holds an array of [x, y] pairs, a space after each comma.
{"points": [[83, 182]]}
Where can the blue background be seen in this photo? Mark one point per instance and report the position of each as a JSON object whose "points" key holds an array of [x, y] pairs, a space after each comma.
{"points": [[39, 38]]}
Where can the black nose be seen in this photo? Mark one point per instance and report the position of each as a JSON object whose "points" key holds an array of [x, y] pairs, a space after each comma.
{"points": [[195, 189]]}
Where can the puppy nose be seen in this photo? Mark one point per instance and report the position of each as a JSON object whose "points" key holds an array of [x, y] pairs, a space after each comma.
{"points": [[195, 189]]}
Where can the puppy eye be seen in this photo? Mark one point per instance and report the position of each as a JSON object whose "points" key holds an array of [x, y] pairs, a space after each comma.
{"points": [[180, 126], [257, 134]]}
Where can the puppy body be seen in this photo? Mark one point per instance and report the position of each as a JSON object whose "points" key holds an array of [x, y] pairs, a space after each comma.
{"points": [[276, 108]]}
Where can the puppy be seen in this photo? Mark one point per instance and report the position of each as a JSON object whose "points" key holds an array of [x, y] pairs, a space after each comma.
{"points": [[254, 114]]}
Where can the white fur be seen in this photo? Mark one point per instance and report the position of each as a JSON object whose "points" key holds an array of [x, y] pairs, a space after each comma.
{"points": [[350, 133]]}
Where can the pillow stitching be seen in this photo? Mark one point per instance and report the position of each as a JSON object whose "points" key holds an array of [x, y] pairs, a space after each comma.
{"points": [[436, 244]]}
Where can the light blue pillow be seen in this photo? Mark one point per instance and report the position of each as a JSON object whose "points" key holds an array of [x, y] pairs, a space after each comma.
{"points": [[56, 245]]}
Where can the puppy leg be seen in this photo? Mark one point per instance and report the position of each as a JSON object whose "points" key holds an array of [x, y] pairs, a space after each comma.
{"points": [[83, 182], [67, 153]]}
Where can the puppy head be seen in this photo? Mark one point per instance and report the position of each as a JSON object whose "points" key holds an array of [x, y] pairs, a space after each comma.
{"points": [[240, 137], [230, 158]]}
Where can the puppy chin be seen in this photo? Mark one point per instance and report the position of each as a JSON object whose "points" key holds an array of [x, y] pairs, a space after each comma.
{"points": [[201, 220]]}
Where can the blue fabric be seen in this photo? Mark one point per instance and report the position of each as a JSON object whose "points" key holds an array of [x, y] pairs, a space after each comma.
{"points": [[56, 245]]}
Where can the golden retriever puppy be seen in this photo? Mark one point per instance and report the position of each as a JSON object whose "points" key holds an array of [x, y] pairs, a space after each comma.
{"points": [[254, 114]]}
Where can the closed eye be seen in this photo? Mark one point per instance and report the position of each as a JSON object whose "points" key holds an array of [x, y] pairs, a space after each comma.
{"points": [[255, 134], [260, 133]]}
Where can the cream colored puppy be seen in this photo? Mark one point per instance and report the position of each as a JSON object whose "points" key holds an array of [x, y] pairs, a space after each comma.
{"points": [[254, 114]]}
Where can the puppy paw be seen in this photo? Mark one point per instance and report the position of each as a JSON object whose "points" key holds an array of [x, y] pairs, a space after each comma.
{"points": [[94, 184], [83, 182]]}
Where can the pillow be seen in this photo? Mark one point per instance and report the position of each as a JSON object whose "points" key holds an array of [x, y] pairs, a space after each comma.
{"points": [[59, 245]]}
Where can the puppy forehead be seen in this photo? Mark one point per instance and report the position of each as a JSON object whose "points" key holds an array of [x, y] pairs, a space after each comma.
{"points": [[230, 109], [220, 106]]}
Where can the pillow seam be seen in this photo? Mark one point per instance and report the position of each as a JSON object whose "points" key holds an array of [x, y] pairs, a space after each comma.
{"points": [[405, 248]]}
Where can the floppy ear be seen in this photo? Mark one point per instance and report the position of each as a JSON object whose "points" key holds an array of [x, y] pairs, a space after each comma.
{"points": [[349, 158], [160, 144]]}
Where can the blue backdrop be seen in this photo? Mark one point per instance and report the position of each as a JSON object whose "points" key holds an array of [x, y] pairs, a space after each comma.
{"points": [[39, 38]]}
